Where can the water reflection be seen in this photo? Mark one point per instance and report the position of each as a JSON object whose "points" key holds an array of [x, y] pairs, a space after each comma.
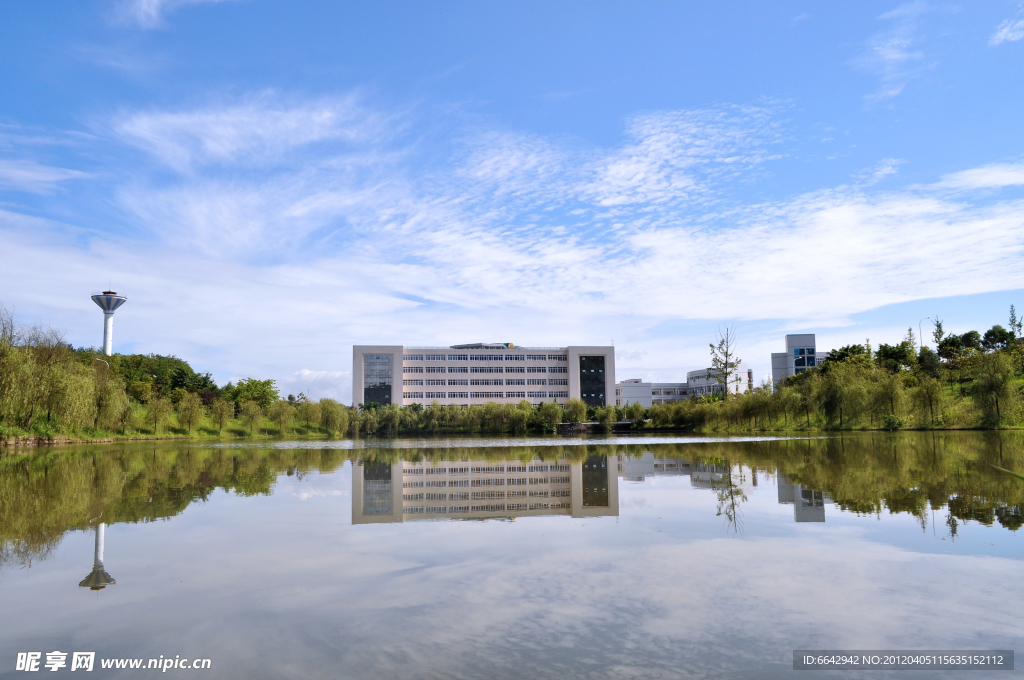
{"points": [[808, 505], [483, 489], [597, 584], [98, 579], [948, 474]]}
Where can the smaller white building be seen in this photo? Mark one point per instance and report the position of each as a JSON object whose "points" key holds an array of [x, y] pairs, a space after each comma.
{"points": [[698, 384], [801, 354]]}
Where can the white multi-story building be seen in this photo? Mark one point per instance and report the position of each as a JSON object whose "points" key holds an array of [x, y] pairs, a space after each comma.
{"points": [[800, 354], [480, 373], [697, 384]]}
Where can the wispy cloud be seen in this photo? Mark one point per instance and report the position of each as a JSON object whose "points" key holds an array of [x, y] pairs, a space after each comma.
{"points": [[256, 130], [27, 175], [303, 225], [894, 55], [1009, 31], [992, 176], [149, 14]]}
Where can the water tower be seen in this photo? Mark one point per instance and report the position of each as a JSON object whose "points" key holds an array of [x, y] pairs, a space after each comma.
{"points": [[108, 301]]}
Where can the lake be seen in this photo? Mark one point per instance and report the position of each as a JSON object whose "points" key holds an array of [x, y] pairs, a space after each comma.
{"points": [[546, 557]]}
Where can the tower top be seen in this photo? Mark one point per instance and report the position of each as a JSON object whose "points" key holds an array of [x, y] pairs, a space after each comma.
{"points": [[109, 301]]}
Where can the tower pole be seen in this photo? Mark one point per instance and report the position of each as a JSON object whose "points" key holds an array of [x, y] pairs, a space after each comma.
{"points": [[108, 333]]}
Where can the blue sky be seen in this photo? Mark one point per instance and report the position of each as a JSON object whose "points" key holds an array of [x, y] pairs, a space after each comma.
{"points": [[272, 182]]}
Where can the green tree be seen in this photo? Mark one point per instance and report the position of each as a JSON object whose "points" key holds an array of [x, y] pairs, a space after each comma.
{"points": [[606, 417], [282, 413], [333, 417], [848, 352], [896, 358], [519, 417], [309, 412], [222, 411], [190, 410], [993, 386], [724, 361], [929, 362], [996, 338], [251, 414], [575, 410], [929, 397], [637, 414], [388, 418], [263, 392], [156, 412], [550, 414]]}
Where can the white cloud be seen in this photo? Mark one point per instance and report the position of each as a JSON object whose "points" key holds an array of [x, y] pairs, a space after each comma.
{"points": [[893, 54], [26, 175], [986, 177], [254, 131], [1008, 31], [151, 13], [274, 269]]}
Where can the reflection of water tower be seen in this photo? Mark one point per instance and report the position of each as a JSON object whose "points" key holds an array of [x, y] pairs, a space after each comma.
{"points": [[109, 301], [99, 578]]}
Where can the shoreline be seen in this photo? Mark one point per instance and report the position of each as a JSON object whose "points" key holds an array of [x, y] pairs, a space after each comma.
{"points": [[20, 445]]}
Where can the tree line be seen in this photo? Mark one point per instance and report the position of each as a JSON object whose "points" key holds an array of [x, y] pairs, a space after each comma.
{"points": [[49, 388], [971, 380], [915, 473]]}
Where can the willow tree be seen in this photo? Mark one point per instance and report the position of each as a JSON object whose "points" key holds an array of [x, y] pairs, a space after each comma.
{"points": [[222, 411], [190, 410], [156, 412], [993, 385], [251, 414]]}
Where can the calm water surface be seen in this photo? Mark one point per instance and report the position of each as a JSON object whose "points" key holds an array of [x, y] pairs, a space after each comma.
{"points": [[503, 558]]}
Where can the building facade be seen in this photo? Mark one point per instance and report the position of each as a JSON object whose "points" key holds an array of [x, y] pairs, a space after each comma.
{"points": [[800, 354], [480, 373], [697, 384]]}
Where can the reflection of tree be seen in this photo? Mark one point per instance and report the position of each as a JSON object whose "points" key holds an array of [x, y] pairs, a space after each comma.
{"points": [[730, 497]]}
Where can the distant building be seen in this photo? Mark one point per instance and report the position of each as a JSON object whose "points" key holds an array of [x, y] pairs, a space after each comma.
{"points": [[697, 385], [800, 354], [808, 505], [481, 372]]}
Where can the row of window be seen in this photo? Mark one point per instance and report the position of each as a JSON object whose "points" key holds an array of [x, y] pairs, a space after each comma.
{"points": [[485, 357], [550, 394], [488, 507]]}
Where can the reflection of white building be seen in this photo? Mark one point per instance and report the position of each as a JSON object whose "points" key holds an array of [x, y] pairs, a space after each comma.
{"points": [[483, 489], [808, 505], [636, 469]]}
